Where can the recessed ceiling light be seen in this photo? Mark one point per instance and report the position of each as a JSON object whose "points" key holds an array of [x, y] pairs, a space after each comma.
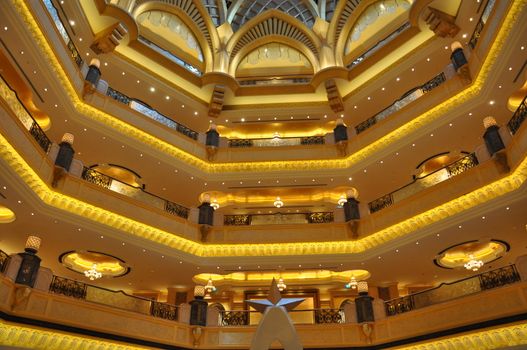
{"points": [[182, 106], [492, 102], [259, 119], [431, 135], [105, 64], [192, 177], [102, 237], [138, 81], [446, 47], [56, 105], [72, 22], [369, 98], [274, 118], [34, 72], [175, 170], [459, 226], [241, 182], [483, 218], [195, 112], [243, 119], [379, 257], [325, 116], [398, 79], [350, 178], [438, 235], [417, 242], [65, 120], [181, 262], [396, 153], [144, 250], [5, 28], [313, 180], [152, 89], [522, 48], [470, 113], [5, 187], [32, 214], [277, 181], [507, 208], [19, 202], [499, 86], [46, 89], [80, 39], [123, 73], [291, 117], [428, 59], [413, 144], [365, 170], [123, 243], [413, 69], [450, 124], [21, 52], [226, 120], [510, 68], [167, 98], [355, 107], [464, 36], [397, 250], [383, 89], [307, 117], [471, 19]]}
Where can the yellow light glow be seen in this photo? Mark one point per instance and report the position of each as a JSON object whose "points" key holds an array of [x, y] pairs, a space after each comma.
{"points": [[6, 215], [292, 277], [460, 255], [82, 261]]}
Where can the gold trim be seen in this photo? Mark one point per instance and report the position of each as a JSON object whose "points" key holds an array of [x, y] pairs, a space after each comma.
{"points": [[33, 338], [384, 142]]}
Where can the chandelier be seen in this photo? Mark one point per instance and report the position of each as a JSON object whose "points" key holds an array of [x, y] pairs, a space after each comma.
{"points": [[278, 203], [92, 273], [352, 283], [281, 285], [342, 200], [215, 205], [473, 264], [209, 287]]}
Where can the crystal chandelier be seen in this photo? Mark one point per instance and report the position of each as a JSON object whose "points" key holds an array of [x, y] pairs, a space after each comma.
{"points": [[215, 205], [473, 264], [352, 283], [342, 200], [209, 287], [278, 202], [92, 273], [281, 285]]}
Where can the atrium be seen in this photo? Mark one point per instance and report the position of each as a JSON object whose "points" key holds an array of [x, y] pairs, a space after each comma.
{"points": [[151, 146]]}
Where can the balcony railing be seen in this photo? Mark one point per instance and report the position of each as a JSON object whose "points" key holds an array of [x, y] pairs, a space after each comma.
{"points": [[310, 316], [448, 291], [138, 193], [518, 117], [4, 260], [31, 124], [117, 299], [407, 98], [278, 219], [379, 45], [277, 142], [481, 24], [75, 55], [426, 181], [274, 81]]}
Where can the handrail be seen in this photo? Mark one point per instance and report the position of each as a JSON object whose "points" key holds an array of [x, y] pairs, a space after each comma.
{"points": [[448, 291], [128, 190], [4, 260], [441, 174], [379, 45], [403, 101], [30, 123], [320, 316], [277, 141], [481, 24], [247, 219], [518, 117], [119, 299]]}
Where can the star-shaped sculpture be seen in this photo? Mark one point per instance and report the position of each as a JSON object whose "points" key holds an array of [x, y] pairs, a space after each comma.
{"points": [[274, 299]]}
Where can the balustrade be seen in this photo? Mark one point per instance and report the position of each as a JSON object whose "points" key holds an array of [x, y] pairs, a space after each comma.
{"points": [[448, 291], [277, 142], [481, 24], [518, 117], [278, 219], [138, 193], [426, 181], [4, 260]]}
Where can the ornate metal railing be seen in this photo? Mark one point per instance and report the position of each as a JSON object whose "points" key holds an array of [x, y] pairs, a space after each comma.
{"points": [[329, 316], [67, 287], [234, 318], [278, 219], [163, 310], [518, 117], [138, 193], [418, 184], [481, 24], [448, 291], [277, 141], [170, 56], [379, 45], [236, 220], [4, 260], [40, 136], [274, 81], [63, 32], [406, 99], [118, 96]]}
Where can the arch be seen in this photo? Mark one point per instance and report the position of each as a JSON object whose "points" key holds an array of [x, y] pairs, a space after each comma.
{"points": [[344, 303], [295, 9], [273, 23], [193, 15], [344, 21], [217, 306], [235, 61]]}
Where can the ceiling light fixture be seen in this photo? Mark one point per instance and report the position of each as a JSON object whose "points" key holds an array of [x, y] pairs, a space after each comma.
{"points": [[278, 203], [342, 200], [281, 285], [92, 273], [214, 204], [352, 283], [473, 264], [209, 287]]}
